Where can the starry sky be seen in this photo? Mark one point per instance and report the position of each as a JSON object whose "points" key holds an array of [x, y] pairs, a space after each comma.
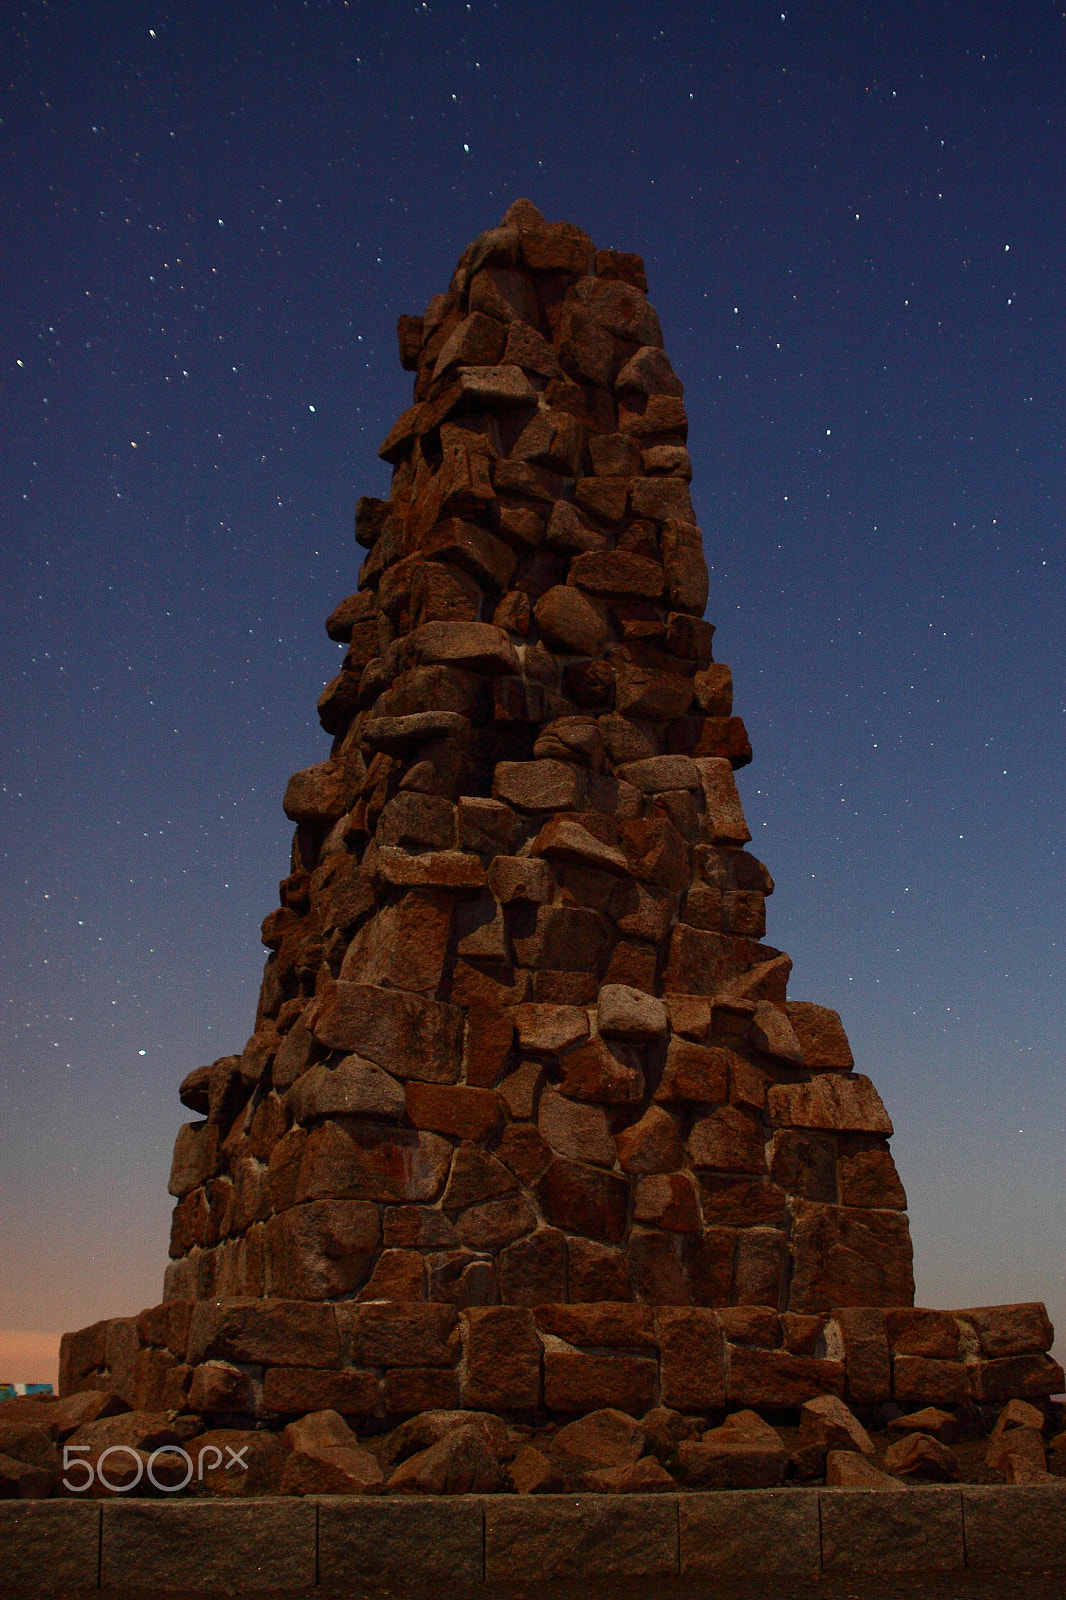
{"points": [[852, 217]]}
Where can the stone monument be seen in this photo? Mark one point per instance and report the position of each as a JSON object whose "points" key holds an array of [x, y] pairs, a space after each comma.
{"points": [[528, 1121]]}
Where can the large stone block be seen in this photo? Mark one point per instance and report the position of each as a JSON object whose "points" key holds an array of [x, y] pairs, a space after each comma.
{"points": [[404, 945], [577, 1380], [397, 1335], [502, 1357], [321, 1250], [842, 1255], [541, 1538], [775, 1379], [50, 1546], [409, 1036], [692, 1370], [762, 1533], [219, 1546], [883, 1531], [372, 1161], [386, 1540], [1018, 1530], [837, 1104], [1012, 1330], [584, 1199], [284, 1333]]}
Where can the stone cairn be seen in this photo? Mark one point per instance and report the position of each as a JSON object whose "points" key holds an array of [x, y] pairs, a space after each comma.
{"points": [[528, 1123]]}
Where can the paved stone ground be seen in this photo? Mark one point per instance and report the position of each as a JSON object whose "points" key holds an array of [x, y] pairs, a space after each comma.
{"points": [[969, 1586]]}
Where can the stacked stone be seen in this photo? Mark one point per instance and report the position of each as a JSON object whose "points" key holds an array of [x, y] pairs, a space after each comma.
{"points": [[519, 1041]]}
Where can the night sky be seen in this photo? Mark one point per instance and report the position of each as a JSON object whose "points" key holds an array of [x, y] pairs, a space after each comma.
{"points": [[853, 222]]}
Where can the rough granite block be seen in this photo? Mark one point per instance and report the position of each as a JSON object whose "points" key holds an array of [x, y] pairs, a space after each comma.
{"points": [[757, 1531], [1017, 1526], [579, 1536], [881, 1530], [235, 1546], [395, 1539], [49, 1546]]}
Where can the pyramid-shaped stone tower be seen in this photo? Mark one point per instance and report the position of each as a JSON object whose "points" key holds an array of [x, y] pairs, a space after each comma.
{"points": [[528, 1117], [519, 1041]]}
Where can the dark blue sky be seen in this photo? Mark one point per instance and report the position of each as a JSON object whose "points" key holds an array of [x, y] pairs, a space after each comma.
{"points": [[853, 223]]}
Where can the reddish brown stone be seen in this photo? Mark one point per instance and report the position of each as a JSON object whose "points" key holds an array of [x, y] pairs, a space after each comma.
{"points": [[302, 1389], [1030, 1377], [453, 1109], [836, 1103], [317, 794], [759, 1272], [694, 1072], [705, 963], [940, 1425], [651, 1144], [912, 1331], [397, 1275], [869, 1178], [533, 1270], [550, 1029], [1010, 1330], [406, 1227], [921, 1381], [409, 1390], [487, 1042], [711, 1268], [460, 1463], [846, 1469], [866, 1354], [539, 785], [692, 1358], [475, 1177], [570, 621], [599, 1071], [564, 839], [372, 1161], [220, 1386], [383, 1335], [775, 1378], [287, 1333], [404, 945], [502, 1359], [325, 1457], [751, 1325], [524, 1151], [577, 1381], [495, 1223], [840, 1254], [657, 1267], [137, 1430], [745, 1453], [409, 1036], [737, 1203], [597, 1272], [584, 1200], [801, 1334], [579, 1132], [804, 1164], [562, 939], [919, 1458], [514, 878], [729, 1140], [667, 1200], [821, 1037], [602, 1438]]}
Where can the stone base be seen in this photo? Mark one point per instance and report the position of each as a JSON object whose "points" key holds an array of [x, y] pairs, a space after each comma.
{"points": [[272, 1360], [793, 1537]]}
